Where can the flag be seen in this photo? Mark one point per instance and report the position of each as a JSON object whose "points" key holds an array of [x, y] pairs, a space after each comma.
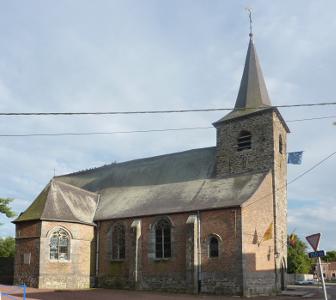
{"points": [[268, 233], [295, 158], [292, 240]]}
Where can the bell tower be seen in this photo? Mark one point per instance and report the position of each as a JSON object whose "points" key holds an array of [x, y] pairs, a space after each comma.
{"points": [[252, 139]]}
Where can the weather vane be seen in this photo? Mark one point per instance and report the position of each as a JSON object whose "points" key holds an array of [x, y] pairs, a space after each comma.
{"points": [[250, 17]]}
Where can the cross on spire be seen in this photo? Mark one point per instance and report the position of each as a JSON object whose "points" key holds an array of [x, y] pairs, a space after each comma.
{"points": [[250, 17]]}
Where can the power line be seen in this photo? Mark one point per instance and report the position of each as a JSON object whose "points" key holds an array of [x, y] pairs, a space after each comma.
{"points": [[294, 179], [102, 133], [155, 111], [56, 134]]}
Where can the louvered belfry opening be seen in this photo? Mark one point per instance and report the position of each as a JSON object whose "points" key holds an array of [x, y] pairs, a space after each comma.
{"points": [[244, 140]]}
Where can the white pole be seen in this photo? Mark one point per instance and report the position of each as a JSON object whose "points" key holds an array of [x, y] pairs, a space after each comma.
{"points": [[322, 278]]}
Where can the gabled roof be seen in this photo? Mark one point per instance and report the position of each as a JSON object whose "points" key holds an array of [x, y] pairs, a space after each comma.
{"points": [[62, 202], [172, 183]]}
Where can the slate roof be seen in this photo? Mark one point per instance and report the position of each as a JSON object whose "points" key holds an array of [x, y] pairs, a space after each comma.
{"points": [[177, 182], [252, 95], [60, 201]]}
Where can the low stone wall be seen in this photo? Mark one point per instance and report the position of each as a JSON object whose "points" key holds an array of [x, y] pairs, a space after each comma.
{"points": [[6, 270], [63, 281]]}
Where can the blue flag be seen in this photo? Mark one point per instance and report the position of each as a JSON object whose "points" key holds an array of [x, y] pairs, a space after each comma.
{"points": [[295, 158]]}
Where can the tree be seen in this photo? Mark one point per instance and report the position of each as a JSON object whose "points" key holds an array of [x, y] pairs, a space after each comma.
{"points": [[330, 256], [5, 208], [297, 260], [7, 247]]}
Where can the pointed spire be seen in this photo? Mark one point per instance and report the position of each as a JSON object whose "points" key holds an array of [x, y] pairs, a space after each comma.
{"points": [[252, 92]]}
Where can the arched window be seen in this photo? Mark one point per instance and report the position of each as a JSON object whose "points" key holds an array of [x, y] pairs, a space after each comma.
{"points": [[60, 245], [118, 241], [244, 140], [163, 239], [280, 144], [213, 247]]}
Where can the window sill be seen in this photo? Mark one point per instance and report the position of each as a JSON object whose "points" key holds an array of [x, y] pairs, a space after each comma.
{"points": [[162, 259], [60, 261], [120, 260]]}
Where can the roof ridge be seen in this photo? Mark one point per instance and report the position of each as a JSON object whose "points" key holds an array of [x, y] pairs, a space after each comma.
{"points": [[72, 186], [132, 161]]}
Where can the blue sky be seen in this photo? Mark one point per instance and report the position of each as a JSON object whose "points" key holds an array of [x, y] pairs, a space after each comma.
{"points": [[138, 55]]}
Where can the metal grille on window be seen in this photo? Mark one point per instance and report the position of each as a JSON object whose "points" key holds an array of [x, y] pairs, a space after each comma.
{"points": [[244, 141], [59, 245], [163, 239], [213, 247], [118, 241]]}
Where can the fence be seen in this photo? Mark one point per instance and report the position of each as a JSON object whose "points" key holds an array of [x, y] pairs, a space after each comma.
{"points": [[12, 293], [6, 270]]}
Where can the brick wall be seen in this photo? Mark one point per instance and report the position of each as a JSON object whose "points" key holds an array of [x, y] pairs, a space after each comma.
{"points": [[258, 253], [219, 275], [26, 266]]}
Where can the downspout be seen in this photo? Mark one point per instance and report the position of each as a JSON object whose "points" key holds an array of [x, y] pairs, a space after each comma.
{"points": [[97, 251], [194, 220], [97, 246], [199, 277], [137, 226], [276, 253]]}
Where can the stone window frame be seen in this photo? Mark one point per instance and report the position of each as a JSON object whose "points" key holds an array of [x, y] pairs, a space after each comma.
{"points": [[168, 221], [70, 237], [219, 243], [121, 249], [244, 140]]}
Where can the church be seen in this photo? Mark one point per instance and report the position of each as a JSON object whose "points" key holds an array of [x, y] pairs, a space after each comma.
{"points": [[210, 220]]}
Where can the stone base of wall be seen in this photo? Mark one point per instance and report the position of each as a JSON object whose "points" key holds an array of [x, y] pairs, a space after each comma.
{"points": [[220, 283], [64, 281], [174, 283], [260, 283], [114, 282], [27, 279]]}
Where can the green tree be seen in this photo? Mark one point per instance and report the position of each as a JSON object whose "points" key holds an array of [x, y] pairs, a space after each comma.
{"points": [[330, 256], [298, 260], [5, 208], [7, 247]]}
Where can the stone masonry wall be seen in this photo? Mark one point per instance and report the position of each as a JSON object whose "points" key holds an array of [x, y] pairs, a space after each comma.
{"points": [[257, 159], [74, 273], [280, 197]]}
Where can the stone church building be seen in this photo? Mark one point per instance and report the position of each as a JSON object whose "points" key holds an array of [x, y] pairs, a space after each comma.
{"points": [[210, 220]]}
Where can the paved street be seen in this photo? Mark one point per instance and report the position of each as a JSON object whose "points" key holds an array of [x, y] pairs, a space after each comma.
{"points": [[310, 292]]}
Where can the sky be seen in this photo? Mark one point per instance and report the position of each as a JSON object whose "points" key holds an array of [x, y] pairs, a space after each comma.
{"points": [[65, 56]]}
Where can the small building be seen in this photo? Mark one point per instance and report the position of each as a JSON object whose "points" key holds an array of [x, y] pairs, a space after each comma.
{"points": [[328, 269], [210, 220]]}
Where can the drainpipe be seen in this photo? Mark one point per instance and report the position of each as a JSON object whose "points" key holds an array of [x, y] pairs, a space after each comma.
{"points": [[194, 219], [97, 245], [199, 252], [97, 251], [137, 225]]}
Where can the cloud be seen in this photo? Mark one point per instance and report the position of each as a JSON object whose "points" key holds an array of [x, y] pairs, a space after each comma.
{"points": [[160, 55]]}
